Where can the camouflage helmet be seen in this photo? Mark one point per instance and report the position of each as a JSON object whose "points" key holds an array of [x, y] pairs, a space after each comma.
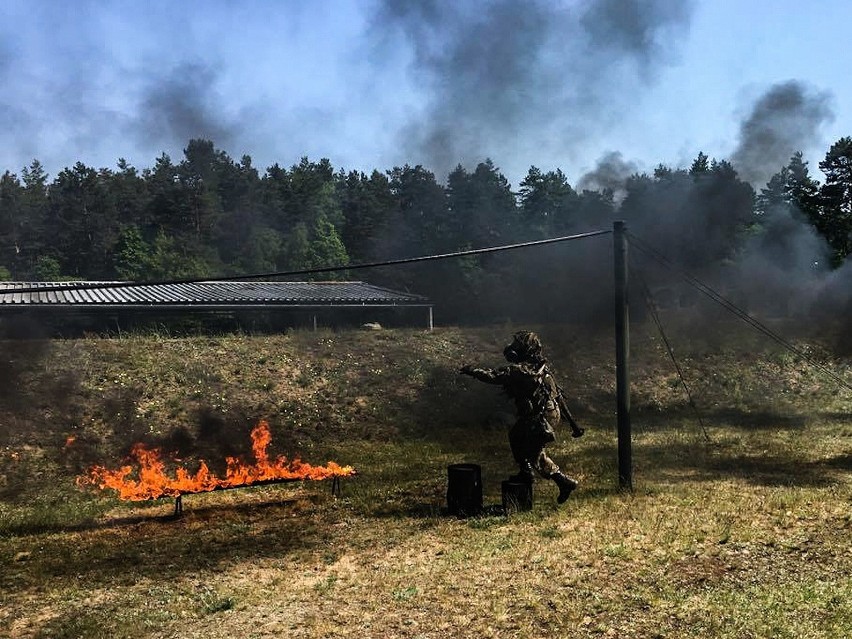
{"points": [[525, 346]]}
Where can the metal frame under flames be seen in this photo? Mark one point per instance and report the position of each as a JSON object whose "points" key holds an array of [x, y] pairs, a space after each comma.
{"points": [[335, 489]]}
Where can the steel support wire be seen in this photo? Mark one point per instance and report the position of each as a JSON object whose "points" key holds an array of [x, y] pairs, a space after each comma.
{"points": [[652, 309], [736, 310], [310, 271]]}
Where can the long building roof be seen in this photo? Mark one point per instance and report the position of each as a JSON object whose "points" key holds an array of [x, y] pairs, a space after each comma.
{"points": [[202, 294]]}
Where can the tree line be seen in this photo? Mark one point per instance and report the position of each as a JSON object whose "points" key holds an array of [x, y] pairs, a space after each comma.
{"points": [[209, 215]]}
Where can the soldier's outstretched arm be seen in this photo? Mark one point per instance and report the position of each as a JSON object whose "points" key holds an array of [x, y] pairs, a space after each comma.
{"points": [[488, 375]]}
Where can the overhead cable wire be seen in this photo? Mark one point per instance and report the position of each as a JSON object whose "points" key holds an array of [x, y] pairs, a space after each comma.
{"points": [[652, 309], [736, 310], [308, 271]]}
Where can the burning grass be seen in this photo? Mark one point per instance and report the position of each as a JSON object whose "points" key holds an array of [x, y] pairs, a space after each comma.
{"points": [[746, 535]]}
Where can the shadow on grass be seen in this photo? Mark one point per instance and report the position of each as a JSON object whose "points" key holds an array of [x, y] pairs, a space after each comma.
{"points": [[762, 419], [773, 466], [122, 550], [544, 494], [672, 418], [836, 416], [759, 458], [843, 462], [208, 512]]}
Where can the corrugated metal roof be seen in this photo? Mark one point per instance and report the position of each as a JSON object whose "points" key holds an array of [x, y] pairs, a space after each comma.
{"points": [[202, 294]]}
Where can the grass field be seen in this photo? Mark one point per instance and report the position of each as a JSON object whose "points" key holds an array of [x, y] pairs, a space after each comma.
{"points": [[744, 532]]}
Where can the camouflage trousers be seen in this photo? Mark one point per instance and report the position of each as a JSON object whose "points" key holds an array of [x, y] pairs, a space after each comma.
{"points": [[528, 438]]}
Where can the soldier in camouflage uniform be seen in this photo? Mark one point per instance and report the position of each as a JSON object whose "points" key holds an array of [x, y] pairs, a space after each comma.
{"points": [[540, 405]]}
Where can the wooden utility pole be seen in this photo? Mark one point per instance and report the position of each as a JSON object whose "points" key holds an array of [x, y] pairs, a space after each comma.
{"points": [[622, 351]]}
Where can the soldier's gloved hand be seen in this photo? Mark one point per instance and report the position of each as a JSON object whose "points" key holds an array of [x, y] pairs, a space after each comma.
{"points": [[467, 369]]}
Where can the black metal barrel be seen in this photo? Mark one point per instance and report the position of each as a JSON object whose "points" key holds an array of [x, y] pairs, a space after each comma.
{"points": [[464, 489]]}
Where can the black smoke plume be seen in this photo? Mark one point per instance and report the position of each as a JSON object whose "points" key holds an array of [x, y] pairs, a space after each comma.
{"points": [[783, 267], [183, 106], [784, 120], [503, 76], [609, 175], [635, 28]]}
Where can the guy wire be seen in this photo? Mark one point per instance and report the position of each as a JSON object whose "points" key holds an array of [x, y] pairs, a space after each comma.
{"points": [[736, 310], [652, 309]]}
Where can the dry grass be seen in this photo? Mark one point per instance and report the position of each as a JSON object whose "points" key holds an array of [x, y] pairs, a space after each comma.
{"points": [[743, 536]]}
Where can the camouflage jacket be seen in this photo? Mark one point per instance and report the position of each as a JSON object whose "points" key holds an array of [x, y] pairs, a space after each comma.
{"points": [[531, 386]]}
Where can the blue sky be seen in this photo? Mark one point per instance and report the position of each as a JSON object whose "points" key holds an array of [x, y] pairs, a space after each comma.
{"points": [[583, 86]]}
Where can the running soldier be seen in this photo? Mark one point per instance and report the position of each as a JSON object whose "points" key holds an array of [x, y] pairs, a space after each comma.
{"points": [[540, 405]]}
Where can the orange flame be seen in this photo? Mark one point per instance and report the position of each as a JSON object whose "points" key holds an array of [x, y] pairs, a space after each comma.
{"points": [[154, 482]]}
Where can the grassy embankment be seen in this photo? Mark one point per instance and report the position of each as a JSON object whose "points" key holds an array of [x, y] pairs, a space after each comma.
{"points": [[745, 535]]}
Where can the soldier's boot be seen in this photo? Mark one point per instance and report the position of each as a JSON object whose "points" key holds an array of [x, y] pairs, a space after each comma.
{"points": [[525, 474], [566, 486]]}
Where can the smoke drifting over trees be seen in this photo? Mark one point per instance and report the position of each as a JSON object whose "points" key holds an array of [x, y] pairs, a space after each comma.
{"points": [[181, 106], [610, 174], [785, 119], [506, 76]]}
